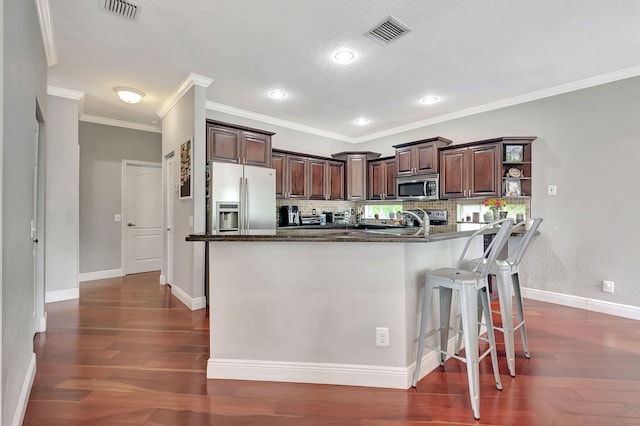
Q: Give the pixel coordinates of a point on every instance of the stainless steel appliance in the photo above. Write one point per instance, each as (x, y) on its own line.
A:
(417, 187)
(436, 217)
(289, 216)
(240, 198)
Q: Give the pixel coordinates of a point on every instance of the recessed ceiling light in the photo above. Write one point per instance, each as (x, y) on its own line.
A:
(430, 100)
(361, 121)
(344, 56)
(129, 95)
(278, 94)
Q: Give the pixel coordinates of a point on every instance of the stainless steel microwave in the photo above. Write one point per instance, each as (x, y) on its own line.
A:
(417, 187)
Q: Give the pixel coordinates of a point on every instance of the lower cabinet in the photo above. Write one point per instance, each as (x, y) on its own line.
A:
(382, 179)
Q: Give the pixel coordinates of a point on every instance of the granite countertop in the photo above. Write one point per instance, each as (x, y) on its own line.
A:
(346, 234)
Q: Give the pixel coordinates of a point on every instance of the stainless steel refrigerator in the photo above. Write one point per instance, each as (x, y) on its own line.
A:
(240, 199)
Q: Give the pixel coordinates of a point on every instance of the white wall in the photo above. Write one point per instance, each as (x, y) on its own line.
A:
(588, 145)
(183, 122)
(62, 200)
(23, 83)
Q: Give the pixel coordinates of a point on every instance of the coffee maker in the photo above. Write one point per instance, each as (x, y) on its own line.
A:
(289, 216)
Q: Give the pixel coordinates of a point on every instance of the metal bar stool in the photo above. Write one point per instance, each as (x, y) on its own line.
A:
(507, 274)
(469, 284)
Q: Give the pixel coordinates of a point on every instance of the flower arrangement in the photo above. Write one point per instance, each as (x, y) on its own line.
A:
(495, 204)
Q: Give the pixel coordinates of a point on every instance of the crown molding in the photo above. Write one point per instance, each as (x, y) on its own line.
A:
(190, 81)
(214, 106)
(65, 93)
(46, 28)
(516, 100)
(119, 123)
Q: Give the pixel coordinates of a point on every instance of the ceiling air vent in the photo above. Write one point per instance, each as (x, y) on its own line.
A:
(388, 30)
(124, 8)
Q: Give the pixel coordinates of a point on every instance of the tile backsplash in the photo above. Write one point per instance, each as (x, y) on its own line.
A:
(306, 206)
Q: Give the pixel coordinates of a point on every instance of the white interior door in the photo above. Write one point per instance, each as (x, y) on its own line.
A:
(171, 193)
(143, 217)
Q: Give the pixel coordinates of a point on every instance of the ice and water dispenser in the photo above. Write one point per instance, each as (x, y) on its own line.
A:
(227, 215)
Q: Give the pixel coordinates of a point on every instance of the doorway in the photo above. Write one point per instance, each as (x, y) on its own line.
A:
(171, 191)
(141, 216)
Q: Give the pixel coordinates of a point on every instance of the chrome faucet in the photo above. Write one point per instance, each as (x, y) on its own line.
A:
(424, 224)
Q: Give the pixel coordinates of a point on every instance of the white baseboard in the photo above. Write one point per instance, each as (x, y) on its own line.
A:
(609, 308)
(21, 409)
(307, 372)
(42, 324)
(189, 302)
(324, 373)
(60, 295)
(99, 275)
(163, 280)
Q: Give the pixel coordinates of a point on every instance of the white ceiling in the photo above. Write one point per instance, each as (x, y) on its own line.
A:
(473, 54)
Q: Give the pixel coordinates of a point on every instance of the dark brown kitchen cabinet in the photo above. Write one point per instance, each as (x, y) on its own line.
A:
(419, 157)
(356, 168)
(291, 175)
(382, 179)
(235, 144)
(470, 171)
(326, 180)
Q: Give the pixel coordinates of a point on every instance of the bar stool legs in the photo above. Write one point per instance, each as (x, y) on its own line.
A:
(508, 279)
(469, 296)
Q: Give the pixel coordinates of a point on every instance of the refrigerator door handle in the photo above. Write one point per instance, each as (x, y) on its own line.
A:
(246, 206)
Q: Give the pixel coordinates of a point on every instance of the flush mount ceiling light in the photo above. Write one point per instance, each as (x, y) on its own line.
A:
(430, 100)
(344, 56)
(361, 121)
(278, 94)
(129, 95)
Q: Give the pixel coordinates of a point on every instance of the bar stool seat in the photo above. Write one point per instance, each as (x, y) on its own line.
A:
(469, 284)
(507, 274)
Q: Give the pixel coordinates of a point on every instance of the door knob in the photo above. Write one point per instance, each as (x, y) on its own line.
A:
(131, 224)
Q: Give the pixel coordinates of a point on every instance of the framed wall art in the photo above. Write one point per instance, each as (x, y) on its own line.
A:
(512, 188)
(185, 171)
(513, 153)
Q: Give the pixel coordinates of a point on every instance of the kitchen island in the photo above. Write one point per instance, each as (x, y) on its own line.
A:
(303, 305)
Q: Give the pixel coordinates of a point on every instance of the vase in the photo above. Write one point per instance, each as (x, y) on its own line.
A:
(496, 214)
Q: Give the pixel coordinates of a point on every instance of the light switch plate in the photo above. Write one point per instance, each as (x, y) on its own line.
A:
(117, 217)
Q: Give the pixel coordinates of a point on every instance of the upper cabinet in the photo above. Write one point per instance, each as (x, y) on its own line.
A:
(356, 165)
(235, 144)
(292, 175)
(326, 179)
(481, 169)
(419, 157)
(382, 179)
(471, 171)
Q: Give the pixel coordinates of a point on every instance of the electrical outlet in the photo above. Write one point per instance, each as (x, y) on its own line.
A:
(607, 286)
(382, 336)
(551, 190)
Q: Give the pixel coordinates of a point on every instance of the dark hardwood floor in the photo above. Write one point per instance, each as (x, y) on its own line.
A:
(129, 353)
